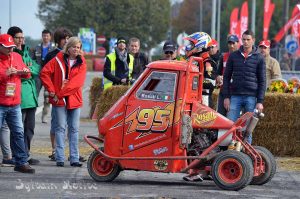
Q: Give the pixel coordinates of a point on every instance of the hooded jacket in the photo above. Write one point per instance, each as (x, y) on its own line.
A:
(56, 72)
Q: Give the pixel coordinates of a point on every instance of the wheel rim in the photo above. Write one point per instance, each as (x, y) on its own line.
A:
(102, 166)
(230, 170)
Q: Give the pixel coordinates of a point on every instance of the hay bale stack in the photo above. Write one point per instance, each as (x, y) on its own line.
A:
(108, 98)
(95, 92)
(279, 130)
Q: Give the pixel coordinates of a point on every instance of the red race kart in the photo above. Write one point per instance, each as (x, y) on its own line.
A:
(161, 125)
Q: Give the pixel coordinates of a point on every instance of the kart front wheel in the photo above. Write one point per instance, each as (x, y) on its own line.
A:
(232, 170)
(102, 169)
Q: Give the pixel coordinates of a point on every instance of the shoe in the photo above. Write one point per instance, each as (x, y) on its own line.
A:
(208, 177)
(60, 164)
(193, 178)
(52, 156)
(44, 120)
(76, 164)
(81, 159)
(24, 169)
(8, 162)
(32, 161)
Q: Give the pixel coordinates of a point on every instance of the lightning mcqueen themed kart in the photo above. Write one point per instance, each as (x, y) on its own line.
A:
(161, 125)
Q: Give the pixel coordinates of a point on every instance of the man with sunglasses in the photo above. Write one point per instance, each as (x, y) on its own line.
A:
(169, 51)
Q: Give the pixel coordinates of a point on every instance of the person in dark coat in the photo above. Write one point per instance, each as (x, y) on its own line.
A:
(140, 59)
(244, 81)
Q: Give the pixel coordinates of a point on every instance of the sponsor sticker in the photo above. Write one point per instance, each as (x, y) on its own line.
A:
(160, 150)
(160, 165)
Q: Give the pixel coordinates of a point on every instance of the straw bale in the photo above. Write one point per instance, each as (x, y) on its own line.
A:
(279, 129)
(95, 92)
(109, 97)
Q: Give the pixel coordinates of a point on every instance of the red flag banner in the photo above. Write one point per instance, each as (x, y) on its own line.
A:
(268, 12)
(286, 27)
(296, 26)
(234, 22)
(295, 31)
(244, 18)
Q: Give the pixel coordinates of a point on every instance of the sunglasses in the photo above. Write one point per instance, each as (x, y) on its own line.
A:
(169, 53)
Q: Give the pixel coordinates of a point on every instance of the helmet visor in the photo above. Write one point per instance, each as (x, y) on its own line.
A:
(190, 46)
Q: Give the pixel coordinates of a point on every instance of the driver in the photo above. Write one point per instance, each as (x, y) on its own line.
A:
(198, 47)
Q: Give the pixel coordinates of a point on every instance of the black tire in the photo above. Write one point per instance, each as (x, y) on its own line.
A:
(101, 169)
(270, 166)
(232, 170)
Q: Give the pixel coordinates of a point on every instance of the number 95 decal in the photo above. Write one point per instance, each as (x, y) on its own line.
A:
(154, 119)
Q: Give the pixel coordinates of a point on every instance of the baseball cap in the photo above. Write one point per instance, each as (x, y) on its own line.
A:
(213, 42)
(265, 43)
(232, 38)
(7, 41)
(121, 40)
(169, 46)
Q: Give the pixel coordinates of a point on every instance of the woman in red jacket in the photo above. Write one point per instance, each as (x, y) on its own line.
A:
(63, 77)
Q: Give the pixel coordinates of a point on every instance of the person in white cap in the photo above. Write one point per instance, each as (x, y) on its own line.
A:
(12, 69)
(273, 70)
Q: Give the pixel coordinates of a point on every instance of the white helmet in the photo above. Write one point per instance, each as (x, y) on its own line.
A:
(199, 42)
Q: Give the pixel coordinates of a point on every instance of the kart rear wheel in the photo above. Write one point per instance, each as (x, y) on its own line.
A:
(232, 170)
(101, 169)
(270, 166)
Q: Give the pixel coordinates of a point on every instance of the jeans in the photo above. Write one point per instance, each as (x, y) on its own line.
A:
(238, 103)
(5, 141)
(66, 117)
(53, 122)
(28, 118)
(46, 104)
(13, 117)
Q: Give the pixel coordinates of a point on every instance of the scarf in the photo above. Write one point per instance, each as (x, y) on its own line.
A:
(122, 57)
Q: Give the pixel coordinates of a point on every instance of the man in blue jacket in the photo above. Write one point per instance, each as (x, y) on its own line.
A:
(244, 81)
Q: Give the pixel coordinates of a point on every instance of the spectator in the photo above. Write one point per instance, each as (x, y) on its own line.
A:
(61, 36)
(169, 49)
(297, 64)
(64, 78)
(39, 55)
(272, 66)
(285, 62)
(118, 66)
(5, 146)
(233, 45)
(29, 98)
(11, 71)
(140, 59)
(213, 51)
(244, 81)
(275, 49)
